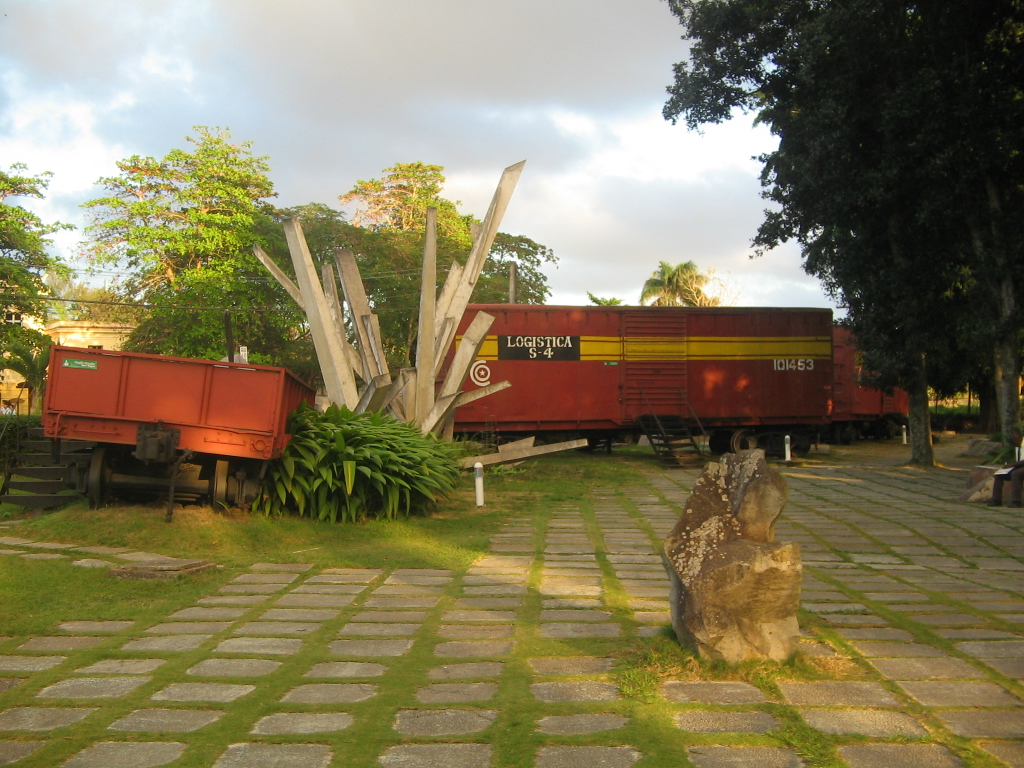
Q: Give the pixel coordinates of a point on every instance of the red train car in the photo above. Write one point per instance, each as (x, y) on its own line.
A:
(748, 375)
(860, 411)
(143, 410)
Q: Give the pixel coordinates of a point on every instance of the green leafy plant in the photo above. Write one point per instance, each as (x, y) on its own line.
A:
(345, 466)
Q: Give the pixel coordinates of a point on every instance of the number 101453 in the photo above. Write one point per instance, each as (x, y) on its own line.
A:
(792, 364)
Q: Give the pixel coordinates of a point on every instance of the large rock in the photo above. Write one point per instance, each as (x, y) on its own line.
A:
(734, 590)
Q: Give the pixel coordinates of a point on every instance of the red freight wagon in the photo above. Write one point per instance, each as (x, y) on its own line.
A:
(747, 374)
(857, 410)
(144, 409)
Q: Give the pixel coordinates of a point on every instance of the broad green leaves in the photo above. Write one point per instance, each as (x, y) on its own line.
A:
(345, 467)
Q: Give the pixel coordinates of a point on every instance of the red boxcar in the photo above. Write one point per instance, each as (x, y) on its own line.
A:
(857, 410)
(739, 371)
(225, 409)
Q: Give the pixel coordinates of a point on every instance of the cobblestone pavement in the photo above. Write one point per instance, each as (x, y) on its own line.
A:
(925, 594)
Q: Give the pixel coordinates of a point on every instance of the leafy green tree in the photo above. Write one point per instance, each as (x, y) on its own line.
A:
(609, 302)
(24, 258)
(30, 362)
(678, 286)
(386, 234)
(183, 227)
(898, 165)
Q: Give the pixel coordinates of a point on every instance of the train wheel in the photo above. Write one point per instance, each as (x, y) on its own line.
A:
(96, 480)
(742, 440)
(219, 492)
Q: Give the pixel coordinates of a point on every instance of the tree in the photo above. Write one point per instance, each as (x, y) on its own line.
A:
(386, 235)
(183, 227)
(609, 302)
(163, 217)
(897, 165)
(24, 258)
(30, 362)
(678, 286)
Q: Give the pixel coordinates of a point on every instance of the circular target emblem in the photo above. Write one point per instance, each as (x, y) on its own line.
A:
(480, 373)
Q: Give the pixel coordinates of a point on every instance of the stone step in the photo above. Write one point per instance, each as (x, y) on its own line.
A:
(46, 459)
(37, 486)
(40, 473)
(40, 500)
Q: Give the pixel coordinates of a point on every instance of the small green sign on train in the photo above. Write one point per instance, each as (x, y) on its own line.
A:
(88, 365)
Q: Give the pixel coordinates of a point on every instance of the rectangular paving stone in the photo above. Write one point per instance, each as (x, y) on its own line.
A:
(94, 627)
(925, 669)
(370, 648)
(575, 691)
(232, 600)
(557, 614)
(379, 630)
(168, 643)
(114, 754)
(380, 617)
(251, 589)
(302, 723)
(277, 628)
(92, 687)
(188, 627)
(697, 721)
(466, 670)
(208, 614)
(217, 692)
(475, 631)
(281, 567)
(327, 589)
(502, 589)
(42, 719)
(233, 668)
(838, 693)
(884, 633)
(996, 649)
(579, 630)
(481, 616)
(122, 667)
(436, 756)
(330, 693)
(13, 751)
(468, 648)
(273, 646)
(487, 603)
(60, 643)
(266, 578)
(902, 755)
(314, 601)
(866, 722)
(356, 573)
(29, 663)
(328, 669)
(387, 590)
(166, 720)
(1010, 667)
(450, 693)
(443, 722)
(898, 650)
(570, 665)
(712, 692)
(401, 602)
(933, 693)
(726, 757)
(298, 614)
(276, 756)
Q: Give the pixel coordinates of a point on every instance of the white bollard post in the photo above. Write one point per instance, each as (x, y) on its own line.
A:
(904, 434)
(789, 448)
(478, 473)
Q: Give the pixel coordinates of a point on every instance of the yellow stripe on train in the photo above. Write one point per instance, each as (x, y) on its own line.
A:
(669, 348)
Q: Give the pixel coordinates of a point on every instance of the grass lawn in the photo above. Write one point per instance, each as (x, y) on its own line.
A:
(36, 595)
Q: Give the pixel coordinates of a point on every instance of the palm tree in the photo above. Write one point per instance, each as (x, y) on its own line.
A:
(678, 286)
(31, 363)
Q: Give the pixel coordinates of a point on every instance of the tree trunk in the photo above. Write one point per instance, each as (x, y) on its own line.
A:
(1006, 371)
(919, 417)
(988, 412)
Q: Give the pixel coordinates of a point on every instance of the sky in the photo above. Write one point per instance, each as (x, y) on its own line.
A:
(334, 91)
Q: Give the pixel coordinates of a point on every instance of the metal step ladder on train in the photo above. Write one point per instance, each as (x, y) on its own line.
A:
(672, 437)
(38, 480)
